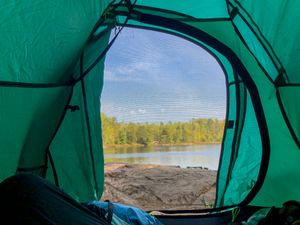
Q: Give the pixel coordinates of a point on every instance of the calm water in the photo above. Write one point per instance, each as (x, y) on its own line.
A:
(183, 156)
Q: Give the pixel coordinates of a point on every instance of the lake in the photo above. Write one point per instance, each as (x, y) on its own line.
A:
(205, 155)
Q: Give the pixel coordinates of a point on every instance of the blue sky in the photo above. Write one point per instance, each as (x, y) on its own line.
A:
(156, 77)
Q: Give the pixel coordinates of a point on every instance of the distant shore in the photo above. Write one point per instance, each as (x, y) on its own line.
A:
(158, 145)
(156, 187)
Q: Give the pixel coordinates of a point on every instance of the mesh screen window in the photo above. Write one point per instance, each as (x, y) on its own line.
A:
(163, 108)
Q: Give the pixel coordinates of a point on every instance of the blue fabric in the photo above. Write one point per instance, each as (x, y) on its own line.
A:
(129, 214)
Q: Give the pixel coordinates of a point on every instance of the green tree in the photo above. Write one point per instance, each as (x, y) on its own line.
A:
(194, 131)
(142, 135)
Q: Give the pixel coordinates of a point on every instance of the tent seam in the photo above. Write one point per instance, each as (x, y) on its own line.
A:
(246, 45)
(260, 33)
(287, 121)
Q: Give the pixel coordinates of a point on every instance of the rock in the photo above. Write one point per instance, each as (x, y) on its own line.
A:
(155, 187)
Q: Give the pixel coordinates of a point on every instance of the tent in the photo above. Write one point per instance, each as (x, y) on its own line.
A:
(52, 61)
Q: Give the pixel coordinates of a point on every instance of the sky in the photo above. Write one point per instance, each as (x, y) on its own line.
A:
(155, 77)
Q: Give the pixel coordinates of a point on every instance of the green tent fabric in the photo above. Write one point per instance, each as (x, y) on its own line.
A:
(52, 61)
(40, 47)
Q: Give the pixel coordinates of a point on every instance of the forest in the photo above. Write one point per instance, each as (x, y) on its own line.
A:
(196, 131)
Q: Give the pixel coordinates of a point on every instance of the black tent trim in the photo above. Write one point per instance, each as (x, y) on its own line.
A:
(87, 118)
(53, 168)
(246, 45)
(48, 150)
(29, 169)
(185, 17)
(260, 34)
(288, 85)
(234, 82)
(34, 85)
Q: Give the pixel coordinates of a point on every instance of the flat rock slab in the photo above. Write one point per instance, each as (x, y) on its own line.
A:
(155, 187)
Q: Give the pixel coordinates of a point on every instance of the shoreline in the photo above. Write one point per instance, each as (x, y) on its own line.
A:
(159, 145)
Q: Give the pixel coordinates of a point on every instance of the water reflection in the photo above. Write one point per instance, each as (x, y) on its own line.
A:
(183, 156)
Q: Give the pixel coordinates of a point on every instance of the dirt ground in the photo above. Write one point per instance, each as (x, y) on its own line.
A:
(155, 187)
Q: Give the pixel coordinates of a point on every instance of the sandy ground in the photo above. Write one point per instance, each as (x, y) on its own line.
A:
(155, 187)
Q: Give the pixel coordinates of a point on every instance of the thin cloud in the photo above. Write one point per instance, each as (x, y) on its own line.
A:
(134, 71)
(142, 111)
(158, 77)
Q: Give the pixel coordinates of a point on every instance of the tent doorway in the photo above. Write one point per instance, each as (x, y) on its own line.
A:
(163, 112)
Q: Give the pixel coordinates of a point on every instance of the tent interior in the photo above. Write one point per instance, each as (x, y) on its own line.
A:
(52, 62)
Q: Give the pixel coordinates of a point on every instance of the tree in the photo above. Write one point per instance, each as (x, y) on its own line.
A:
(143, 136)
(195, 131)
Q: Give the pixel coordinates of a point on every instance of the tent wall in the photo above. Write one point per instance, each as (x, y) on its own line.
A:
(278, 35)
(25, 115)
(41, 42)
(280, 30)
